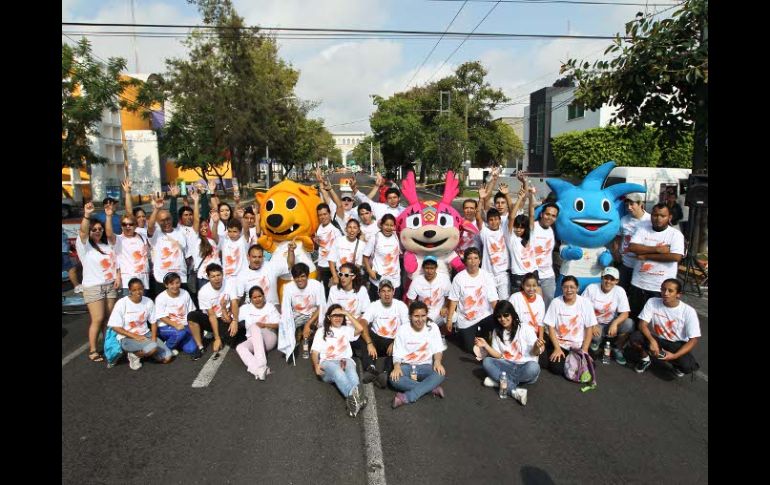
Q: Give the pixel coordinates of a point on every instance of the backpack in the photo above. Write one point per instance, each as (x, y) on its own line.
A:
(579, 367)
(112, 349)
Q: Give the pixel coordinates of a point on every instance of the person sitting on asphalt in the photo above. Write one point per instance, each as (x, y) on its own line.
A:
(385, 316)
(348, 292)
(261, 322)
(263, 273)
(417, 354)
(303, 301)
(529, 304)
(515, 349)
(473, 296)
(332, 356)
(431, 288)
(567, 317)
(611, 308)
(100, 282)
(218, 310)
(668, 331)
(129, 320)
(172, 309)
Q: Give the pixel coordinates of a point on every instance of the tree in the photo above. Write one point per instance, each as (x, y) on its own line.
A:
(397, 126)
(363, 151)
(335, 157)
(87, 89)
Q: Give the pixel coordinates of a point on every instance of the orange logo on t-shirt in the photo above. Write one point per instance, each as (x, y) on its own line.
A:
(418, 355)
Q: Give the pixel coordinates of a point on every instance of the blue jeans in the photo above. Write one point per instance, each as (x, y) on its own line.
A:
(625, 327)
(526, 373)
(427, 380)
(178, 339)
(146, 346)
(345, 380)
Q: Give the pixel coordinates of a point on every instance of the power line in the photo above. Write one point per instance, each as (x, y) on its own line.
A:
(573, 2)
(436, 44)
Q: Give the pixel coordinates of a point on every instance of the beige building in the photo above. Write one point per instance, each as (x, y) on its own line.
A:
(346, 141)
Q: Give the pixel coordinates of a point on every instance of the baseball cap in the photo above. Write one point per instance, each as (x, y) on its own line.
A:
(347, 196)
(430, 258)
(635, 197)
(610, 271)
(385, 283)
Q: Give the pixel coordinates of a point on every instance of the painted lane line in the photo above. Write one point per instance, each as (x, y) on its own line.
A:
(375, 466)
(210, 369)
(74, 354)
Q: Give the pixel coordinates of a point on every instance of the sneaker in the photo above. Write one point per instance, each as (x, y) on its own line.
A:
(438, 392)
(78, 289)
(175, 352)
(358, 402)
(643, 365)
(399, 400)
(196, 355)
(350, 402)
(594, 347)
(520, 395)
(382, 380)
(261, 373)
(619, 357)
(489, 382)
(134, 362)
(208, 335)
(370, 375)
(480, 352)
(677, 372)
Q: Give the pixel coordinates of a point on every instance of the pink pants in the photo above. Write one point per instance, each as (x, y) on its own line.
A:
(252, 351)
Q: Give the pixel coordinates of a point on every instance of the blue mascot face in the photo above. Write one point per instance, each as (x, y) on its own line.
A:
(589, 216)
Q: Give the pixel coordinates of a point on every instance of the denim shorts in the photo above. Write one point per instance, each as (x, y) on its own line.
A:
(92, 294)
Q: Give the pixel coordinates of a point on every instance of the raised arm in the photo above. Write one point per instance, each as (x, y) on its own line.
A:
(196, 196)
(531, 198)
(126, 184)
(109, 211)
(173, 193)
(85, 224)
(157, 205)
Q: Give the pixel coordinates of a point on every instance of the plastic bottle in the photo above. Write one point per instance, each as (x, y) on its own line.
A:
(503, 385)
(606, 356)
(413, 374)
(305, 349)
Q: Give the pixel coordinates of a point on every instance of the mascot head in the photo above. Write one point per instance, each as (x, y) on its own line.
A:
(589, 216)
(431, 227)
(288, 211)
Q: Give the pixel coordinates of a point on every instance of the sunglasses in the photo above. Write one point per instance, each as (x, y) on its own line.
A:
(347, 199)
(349, 275)
(128, 224)
(338, 315)
(97, 229)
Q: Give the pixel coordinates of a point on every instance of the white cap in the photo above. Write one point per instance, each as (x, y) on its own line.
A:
(610, 271)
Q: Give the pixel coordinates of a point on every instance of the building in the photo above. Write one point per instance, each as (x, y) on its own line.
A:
(517, 123)
(551, 112)
(346, 141)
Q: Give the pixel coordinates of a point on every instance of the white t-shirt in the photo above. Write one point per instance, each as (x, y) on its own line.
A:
(266, 277)
(168, 253)
(468, 240)
(533, 318)
(174, 308)
(649, 275)
(495, 258)
(628, 226)
(326, 235)
(218, 300)
(522, 257)
(569, 321)
(542, 242)
(369, 230)
(343, 249)
(335, 346)
(385, 321)
(190, 236)
(677, 324)
(432, 293)
(201, 266)
(234, 255)
(352, 301)
(349, 214)
(253, 237)
(98, 268)
(474, 296)
(416, 348)
(131, 317)
(519, 350)
(385, 252)
(606, 305)
(379, 208)
(132, 255)
(305, 301)
(252, 315)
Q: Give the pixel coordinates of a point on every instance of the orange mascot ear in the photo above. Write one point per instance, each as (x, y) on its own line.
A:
(260, 197)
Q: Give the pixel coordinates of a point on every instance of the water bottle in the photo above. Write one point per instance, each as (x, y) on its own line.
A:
(413, 374)
(305, 349)
(503, 385)
(183, 188)
(606, 356)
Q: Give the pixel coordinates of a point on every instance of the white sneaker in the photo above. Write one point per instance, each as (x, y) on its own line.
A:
(78, 289)
(489, 382)
(261, 373)
(134, 362)
(520, 395)
(175, 352)
(207, 335)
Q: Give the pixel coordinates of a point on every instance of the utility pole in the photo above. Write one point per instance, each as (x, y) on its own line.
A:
(371, 158)
(269, 167)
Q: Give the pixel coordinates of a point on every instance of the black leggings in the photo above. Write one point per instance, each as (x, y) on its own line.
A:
(555, 367)
(201, 318)
(686, 363)
(381, 344)
(481, 329)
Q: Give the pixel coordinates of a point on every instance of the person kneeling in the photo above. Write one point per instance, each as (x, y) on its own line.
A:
(514, 351)
(417, 346)
(331, 355)
(129, 320)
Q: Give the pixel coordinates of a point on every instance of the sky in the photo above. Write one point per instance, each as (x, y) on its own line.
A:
(342, 74)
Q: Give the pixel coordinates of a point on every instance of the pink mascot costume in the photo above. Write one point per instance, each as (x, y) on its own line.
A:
(431, 228)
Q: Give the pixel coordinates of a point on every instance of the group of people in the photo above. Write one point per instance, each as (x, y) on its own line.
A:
(191, 276)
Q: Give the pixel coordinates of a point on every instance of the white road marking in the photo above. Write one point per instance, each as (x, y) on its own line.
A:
(210, 369)
(375, 466)
(74, 354)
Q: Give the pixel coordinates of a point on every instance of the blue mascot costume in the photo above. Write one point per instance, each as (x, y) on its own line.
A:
(588, 220)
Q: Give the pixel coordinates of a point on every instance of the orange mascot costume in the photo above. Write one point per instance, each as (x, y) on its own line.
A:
(288, 213)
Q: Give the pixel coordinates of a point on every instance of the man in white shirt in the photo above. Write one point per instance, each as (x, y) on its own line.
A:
(264, 274)
(324, 238)
(431, 288)
(543, 241)
(218, 311)
(469, 239)
(611, 308)
(629, 223)
(659, 248)
(169, 247)
(668, 331)
(392, 196)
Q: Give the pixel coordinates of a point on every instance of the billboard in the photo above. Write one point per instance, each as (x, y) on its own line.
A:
(143, 161)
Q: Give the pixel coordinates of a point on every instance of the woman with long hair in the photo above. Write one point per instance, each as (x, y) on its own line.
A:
(348, 249)
(348, 292)
(100, 281)
(381, 257)
(332, 355)
(205, 248)
(262, 322)
(515, 349)
(518, 234)
(529, 304)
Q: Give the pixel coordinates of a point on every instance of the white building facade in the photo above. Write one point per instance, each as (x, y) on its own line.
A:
(346, 141)
(568, 115)
(105, 179)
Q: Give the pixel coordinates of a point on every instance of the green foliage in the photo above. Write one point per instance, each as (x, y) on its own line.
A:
(363, 151)
(88, 87)
(577, 153)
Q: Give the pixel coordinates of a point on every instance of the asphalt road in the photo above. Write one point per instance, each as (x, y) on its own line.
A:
(151, 425)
